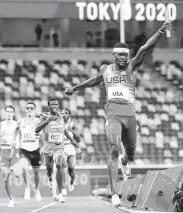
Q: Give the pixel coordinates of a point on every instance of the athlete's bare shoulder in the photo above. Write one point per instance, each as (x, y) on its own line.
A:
(103, 68)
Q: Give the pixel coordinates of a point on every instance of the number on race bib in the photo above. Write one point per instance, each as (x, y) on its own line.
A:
(55, 137)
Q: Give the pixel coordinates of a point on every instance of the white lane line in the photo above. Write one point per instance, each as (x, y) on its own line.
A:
(44, 207)
(5, 204)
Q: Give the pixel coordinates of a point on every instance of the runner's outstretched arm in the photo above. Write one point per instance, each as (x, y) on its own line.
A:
(91, 82)
(138, 59)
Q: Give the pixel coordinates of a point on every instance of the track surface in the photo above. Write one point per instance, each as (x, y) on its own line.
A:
(72, 205)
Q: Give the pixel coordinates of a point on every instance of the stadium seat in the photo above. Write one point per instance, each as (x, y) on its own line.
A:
(158, 106)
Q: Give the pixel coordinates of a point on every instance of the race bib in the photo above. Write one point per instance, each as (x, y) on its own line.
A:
(55, 137)
(118, 92)
(6, 140)
(5, 144)
(28, 137)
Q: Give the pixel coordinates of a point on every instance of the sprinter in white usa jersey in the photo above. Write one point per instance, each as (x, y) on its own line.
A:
(7, 146)
(29, 149)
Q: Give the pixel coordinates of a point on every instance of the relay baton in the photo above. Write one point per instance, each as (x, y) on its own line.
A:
(167, 20)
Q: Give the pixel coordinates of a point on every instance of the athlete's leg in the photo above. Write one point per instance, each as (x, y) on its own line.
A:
(36, 176)
(6, 173)
(49, 168)
(64, 190)
(71, 170)
(60, 161)
(35, 160)
(25, 164)
(6, 170)
(60, 177)
(35, 170)
(24, 161)
(7, 184)
(60, 173)
(129, 143)
(70, 152)
(49, 163)
(129, 140)
(64, 178)
(113, 130)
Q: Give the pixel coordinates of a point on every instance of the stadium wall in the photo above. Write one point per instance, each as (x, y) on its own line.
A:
(80, 54)
(88, 178)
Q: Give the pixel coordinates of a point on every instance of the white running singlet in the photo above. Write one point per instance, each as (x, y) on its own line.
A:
(7, 132)
(29, 138)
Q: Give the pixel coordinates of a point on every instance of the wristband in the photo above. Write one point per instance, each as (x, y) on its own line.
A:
(161, 31)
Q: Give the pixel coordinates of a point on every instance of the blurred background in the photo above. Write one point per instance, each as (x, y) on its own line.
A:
(48, 45)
